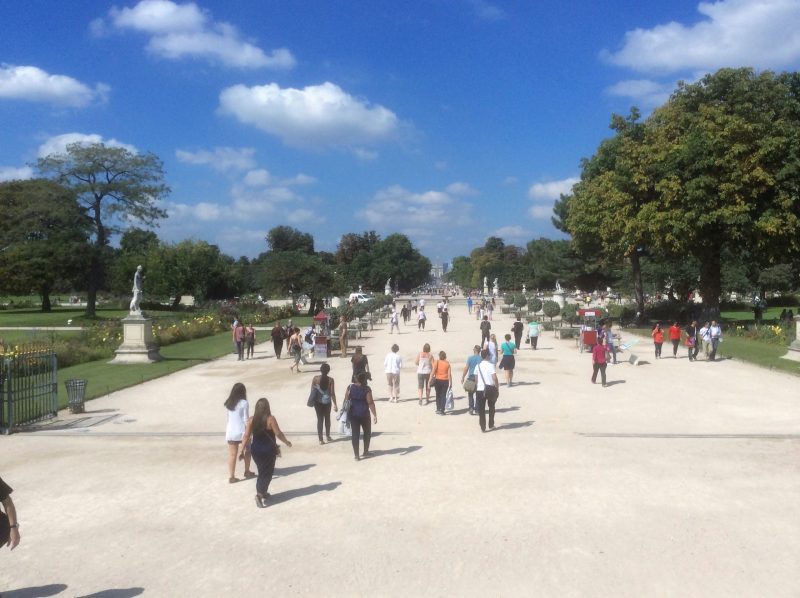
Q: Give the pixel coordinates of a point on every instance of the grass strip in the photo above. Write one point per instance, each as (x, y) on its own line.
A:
(103, 377)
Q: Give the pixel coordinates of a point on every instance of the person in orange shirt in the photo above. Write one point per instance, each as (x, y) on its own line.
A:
(441, 380)
(658, 339)
(675, 337)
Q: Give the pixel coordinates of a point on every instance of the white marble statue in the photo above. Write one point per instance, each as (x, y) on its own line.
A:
(137, 292)
(558, 287)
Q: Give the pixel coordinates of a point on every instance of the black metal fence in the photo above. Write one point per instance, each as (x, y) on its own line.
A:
(28, 386)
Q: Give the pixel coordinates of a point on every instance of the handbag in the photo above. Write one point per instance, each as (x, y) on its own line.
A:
(470, 385)
(448, 403)
(347, 404)
(490, 391)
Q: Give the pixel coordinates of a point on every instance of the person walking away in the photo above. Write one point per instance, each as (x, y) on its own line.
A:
(675, 338)
(392, 364)
(263, 429)
(445, 319)
(424, 362)
(238, 338)
(518, 329)
(533, 333)
(360, 364)
(237, 411)
(508, 362)
(442, 379)
(404, 314)
(288, 332)
(277, 334)
(361, 404)
(490, 309)
(250, 339)
(491, 346)
(9, 524)
(421, 317)
(692, 343)
(343, 336)
(394, 322)
(487, 391)
(705, 338)
(485, 328)
(715, 332)
(469, 305)
(658, 339)
(599, 361)
(469, 375)
(295, 349)
(325, 390)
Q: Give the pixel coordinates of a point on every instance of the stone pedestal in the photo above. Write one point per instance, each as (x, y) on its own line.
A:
(558, 297)
(794, 348)
(137, 344)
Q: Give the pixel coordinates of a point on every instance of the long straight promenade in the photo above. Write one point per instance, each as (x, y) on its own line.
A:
(679, 479)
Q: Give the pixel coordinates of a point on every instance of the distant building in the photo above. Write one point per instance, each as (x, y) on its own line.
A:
(437, 272)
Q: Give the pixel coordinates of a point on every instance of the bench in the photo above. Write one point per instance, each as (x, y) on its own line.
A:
(565, 332)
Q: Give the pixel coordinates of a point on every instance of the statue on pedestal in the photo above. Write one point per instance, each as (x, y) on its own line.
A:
(485, 285)
(137, 292)
(495, 288)
(387, 290)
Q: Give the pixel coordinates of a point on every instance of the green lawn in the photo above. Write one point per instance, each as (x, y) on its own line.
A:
(60, 315)
(771, 313)
(24, 337)
(104, 377)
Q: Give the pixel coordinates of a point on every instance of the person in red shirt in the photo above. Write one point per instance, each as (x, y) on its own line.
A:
(675, 337)
(599, 361)
(658, 339)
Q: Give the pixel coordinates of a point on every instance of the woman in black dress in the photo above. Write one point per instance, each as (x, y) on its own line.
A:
(263, 429)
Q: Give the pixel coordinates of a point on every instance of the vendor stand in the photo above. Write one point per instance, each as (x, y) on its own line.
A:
(322, 334)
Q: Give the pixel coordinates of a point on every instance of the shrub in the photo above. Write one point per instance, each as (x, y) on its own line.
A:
(520, 301)
(773, 334)
(551, 309)
(534, 304)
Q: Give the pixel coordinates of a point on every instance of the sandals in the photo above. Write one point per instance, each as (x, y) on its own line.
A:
(249, 474)
(233, 480)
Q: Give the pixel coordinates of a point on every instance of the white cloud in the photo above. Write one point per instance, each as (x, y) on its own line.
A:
(221, 159)
(414, 214)
(551, 190)
(541, 211)
(486, 11)
(764, 34)
(298, 179)
(58, 144)
(258, 178)
(646, 93)
(458, 188)
(185, 30)
(32, 84)
(312, 116)
(511, 232)
(15, 173)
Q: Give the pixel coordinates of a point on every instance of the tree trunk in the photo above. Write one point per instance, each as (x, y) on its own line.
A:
(638, 289)
(45, 292)
(93, 283)
(711, 282)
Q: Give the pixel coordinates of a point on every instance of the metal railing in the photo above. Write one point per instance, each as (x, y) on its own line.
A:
(28, 386)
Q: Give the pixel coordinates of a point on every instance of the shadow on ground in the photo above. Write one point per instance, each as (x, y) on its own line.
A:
(116, 593)
(514, 425)
(287, 495)
(287, 471)
(36, 592)
(395, 451)
(613, 382)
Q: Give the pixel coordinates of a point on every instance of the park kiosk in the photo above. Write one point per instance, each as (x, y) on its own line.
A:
(588, 335)
(322, 335)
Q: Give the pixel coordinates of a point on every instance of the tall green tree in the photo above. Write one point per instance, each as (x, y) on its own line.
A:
(287, 238)
(43, 238)
(114, 185)
(728, 155)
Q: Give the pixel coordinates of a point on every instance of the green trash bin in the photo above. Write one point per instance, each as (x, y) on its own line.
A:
(76, 395)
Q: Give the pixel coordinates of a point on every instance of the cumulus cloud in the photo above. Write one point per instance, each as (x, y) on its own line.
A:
(763, 34)
(258, 178)
(303, 216)
(30, 83)
(645, 92)
(221, 159)
(58, 144)
(541, 212)
(15, 173)
(551, 190)
(414, 214)
(315, 115)
(185, 30)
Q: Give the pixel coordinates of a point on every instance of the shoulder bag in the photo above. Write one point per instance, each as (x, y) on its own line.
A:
(490, 391)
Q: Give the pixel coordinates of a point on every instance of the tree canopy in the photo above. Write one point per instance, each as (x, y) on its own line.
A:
(114, 185)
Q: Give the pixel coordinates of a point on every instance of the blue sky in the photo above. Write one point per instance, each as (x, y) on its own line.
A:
(446, 120)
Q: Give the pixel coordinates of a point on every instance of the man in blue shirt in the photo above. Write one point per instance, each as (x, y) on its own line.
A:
(469, 374)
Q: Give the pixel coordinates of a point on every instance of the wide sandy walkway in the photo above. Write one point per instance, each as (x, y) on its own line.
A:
(679, 479)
